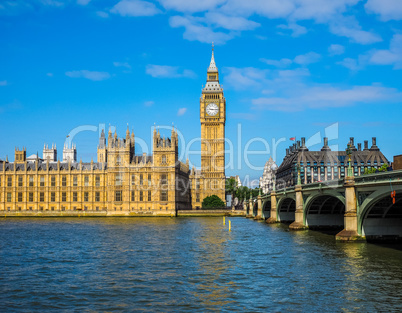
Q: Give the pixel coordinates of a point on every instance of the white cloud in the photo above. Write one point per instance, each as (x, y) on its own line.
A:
(181, 111)
(387, 9)
(336, 49)
(3, 83)
(122, 64)
(350, 28)
(49, 74)
(393, 56)
(191, 6)
(250, 77)
(303, 59)
(166, 71)
(308, 58)
(230, 22)
(323, 96)
(149, 103)
(351, 64)
(91, 75)
(277, 63)
(102, 14)
(194, 30)
(83, 2)
(135, 8)
(297, 30)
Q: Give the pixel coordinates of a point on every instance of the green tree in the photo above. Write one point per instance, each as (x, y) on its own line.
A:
(231, 187)
(213, 202)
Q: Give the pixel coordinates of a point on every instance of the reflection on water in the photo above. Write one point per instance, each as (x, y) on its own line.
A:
(189, 264)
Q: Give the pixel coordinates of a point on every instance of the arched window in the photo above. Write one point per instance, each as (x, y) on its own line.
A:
(163, 159)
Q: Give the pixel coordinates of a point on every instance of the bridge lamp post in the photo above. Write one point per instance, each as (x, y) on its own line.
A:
(298, 168)
(349, 153)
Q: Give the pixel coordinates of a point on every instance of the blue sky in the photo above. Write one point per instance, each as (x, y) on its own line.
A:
(288, 68)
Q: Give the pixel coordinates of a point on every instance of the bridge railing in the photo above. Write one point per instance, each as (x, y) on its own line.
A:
(378, 177)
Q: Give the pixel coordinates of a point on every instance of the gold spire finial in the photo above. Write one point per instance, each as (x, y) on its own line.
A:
(212, 46)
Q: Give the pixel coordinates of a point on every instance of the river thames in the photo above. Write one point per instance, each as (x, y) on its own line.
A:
(187, 265)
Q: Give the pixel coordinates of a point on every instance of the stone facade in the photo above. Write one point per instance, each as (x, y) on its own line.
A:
(268, 177)
(125, 184)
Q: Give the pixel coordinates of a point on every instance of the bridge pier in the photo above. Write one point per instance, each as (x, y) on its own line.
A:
(298, 224)
(349, 233)
(259, 208)
(250, 208)
(273, 214)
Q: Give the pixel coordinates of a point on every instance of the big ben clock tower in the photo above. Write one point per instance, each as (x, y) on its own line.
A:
(213, 118)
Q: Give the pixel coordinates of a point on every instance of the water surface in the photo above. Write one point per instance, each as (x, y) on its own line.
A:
(187, 265)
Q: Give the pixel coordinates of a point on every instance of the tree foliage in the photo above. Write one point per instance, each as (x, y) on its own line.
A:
(213, 202)
(373, 170)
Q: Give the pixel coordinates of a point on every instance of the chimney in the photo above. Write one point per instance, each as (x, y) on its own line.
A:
(325, 147)
(374, 144)
(366, 145)
(303, 144)
(298, 145)
(359, 147)
(352, 144)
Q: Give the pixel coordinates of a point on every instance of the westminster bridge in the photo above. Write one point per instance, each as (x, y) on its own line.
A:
(365, 207)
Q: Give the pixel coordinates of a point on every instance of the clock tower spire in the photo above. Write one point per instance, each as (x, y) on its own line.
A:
(213, 118)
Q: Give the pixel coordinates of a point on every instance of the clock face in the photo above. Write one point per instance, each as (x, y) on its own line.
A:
(212, 109)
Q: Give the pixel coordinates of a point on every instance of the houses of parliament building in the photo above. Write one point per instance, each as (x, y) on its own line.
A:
(121, 182)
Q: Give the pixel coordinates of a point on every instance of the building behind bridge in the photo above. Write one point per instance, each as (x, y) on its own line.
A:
(325, 165)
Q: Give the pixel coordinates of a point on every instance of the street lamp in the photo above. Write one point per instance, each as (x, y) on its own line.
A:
(349, 153)
(298, 167)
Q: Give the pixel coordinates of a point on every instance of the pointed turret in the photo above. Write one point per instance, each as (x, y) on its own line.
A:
(127, 133)
(212, 66)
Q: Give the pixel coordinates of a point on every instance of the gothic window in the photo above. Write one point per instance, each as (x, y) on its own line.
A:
(30, 197)
(63, 197)
(118, 160)
(42, 197)
(20, 197)
(118, 179)
(164, 195)
(53, 181)
(20, 181)
(97, 180)
(8, 196)
(132, 180)
(64, 180)
(149, 195)
(42, 181)
(141, 180)
(97, 196)
(52, 196)
(9, 181)
(141, 196)
(75, 197)
(163, 159)
(75, 181)
(149, 180)
(86, 180)
(86, 198)
(132, 196)
(163, 180)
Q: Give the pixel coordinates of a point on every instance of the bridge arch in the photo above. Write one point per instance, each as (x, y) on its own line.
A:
(379, 218)
(286, 209)
(266, 209)
(324, 210)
